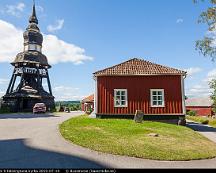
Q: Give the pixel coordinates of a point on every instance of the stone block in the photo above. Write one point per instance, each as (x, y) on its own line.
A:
(182, 121)
(138, 118)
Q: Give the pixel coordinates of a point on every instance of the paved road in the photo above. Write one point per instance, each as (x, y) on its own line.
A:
(28, 141)
(205, 130)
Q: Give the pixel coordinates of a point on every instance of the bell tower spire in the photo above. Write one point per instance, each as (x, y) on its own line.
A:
(33, 39)
(33, 17)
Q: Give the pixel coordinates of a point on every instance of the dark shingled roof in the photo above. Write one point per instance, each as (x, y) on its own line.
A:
(31, 57)
(137, 66)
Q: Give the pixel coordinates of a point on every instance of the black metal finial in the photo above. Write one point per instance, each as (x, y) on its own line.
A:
(33, 18)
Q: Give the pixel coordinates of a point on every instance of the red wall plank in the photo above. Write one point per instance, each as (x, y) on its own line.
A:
(139, 94)
(201, 111)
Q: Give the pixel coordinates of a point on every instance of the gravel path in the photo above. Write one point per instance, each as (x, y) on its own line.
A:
(207, 131)
(34, 141)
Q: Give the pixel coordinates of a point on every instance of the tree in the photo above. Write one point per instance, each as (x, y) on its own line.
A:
(212, 85)
(207, 46)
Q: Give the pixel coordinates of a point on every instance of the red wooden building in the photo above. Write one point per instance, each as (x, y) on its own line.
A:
(140, 85)
(202, 106)
(87, 104)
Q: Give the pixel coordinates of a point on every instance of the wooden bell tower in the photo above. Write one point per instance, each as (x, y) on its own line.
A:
(30, 74)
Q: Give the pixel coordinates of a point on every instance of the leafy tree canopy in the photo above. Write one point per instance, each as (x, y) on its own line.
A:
(207, 46)
(212, 85)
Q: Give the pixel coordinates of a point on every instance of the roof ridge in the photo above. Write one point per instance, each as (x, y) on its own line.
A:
(166, 66)
(114, 66)
(143, 67)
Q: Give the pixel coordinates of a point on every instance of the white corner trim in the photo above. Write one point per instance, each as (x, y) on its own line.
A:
(183, 95)
(93, 114)
(95, 98)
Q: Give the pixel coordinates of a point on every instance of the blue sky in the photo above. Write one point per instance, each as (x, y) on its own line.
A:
(100, 33)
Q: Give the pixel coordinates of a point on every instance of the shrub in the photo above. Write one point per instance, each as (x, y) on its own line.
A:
(199, 119)
(204, 121)
(61, 109)
(53, 110)
(4, 110)
(191, 113)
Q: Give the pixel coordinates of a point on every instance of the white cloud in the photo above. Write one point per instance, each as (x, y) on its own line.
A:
(56, 50)
(68, 98)
(14, 10)
(3, 84)
(57, 26)
(211, 75)
(1, 93)
(20, 6)
(180, 20)
(59, 51)
(3, 81)
(39, 8)
(192, 71)
(201, 90)
(11, 41)
(66, 93)
(64, 89)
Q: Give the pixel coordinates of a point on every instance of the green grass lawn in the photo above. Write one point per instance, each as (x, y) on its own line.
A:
(203, 120)
(125, 137)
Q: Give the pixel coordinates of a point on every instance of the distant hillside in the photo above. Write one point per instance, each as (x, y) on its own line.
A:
(72, 105)
(67, 102)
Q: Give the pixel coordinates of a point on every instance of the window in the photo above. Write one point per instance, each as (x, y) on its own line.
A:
(157, 98)
(32, 47)
(38, 48)
(120, 98)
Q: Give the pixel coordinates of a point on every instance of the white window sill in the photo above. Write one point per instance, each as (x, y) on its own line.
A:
(158, 106)
(120, 106)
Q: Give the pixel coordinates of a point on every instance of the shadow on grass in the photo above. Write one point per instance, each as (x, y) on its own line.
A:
(200, 127)
(16, 154)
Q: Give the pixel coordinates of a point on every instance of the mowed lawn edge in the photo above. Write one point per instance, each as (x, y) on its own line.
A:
(203, 120)
(127, 138)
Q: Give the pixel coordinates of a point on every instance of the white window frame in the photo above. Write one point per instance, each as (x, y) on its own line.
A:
(126, 98)
(163, 99)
